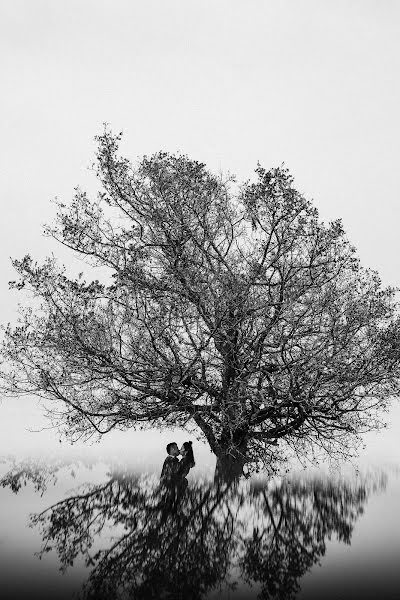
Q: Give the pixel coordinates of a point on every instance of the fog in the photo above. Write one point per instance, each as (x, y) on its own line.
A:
(312, 84)
(24, 432)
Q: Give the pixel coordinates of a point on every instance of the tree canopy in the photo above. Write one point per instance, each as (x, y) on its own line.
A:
(231, 308)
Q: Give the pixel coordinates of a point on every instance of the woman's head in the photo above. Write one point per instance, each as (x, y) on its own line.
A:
(187, 451)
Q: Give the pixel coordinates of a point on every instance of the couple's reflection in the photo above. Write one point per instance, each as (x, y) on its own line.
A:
(143, 538)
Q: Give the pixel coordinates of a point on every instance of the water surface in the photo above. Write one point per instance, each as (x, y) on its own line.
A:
(96, 530)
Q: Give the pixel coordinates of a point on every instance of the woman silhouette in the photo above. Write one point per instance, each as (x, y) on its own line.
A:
(187, 461)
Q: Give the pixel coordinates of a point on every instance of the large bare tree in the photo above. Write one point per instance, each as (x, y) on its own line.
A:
(230, 308)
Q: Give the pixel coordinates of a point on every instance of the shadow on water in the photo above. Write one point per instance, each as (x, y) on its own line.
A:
(143, 539)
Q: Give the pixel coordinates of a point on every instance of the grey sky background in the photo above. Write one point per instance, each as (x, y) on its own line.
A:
(312, 83)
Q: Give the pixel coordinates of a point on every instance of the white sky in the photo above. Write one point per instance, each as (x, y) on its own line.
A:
(312, 83)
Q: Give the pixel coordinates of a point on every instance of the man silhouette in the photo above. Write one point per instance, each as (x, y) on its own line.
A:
(171, 463)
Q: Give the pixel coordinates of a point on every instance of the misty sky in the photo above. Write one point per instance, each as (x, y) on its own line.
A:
(312, 83)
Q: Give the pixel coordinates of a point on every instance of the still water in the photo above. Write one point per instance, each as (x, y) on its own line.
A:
(95, 530)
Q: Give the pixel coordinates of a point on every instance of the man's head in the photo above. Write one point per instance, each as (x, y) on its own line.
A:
(172, 449)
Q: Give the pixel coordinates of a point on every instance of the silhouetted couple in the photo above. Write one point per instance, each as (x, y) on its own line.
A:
(175, 470)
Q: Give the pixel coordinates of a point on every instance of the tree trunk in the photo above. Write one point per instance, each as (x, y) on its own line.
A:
(231, 457)
(228, 469)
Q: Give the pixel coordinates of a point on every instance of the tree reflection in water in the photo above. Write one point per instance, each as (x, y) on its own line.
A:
(185, 541)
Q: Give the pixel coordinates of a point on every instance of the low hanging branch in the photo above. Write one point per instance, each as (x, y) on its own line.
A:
(235, 310)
